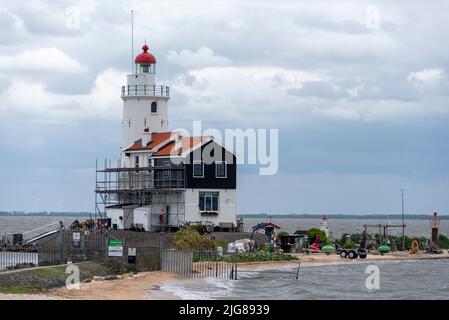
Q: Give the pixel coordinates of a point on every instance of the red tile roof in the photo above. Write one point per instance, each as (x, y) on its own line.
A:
(186, 144)
(168, 149)
(156, 139)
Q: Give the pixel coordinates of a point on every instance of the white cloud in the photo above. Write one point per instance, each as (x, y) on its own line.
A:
(32, 101)
(260, 95)
(41, 60)
(427, 76)
(354, 92)
(203, 57)
(242, 94)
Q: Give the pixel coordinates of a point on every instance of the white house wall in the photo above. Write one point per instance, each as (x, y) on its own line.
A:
(226, 206)
(115, 214)
(126, 214)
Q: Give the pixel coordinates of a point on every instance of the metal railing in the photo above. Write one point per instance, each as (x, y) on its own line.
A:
(14, 259)
(146, 90)
(199, 264)
(41, 232)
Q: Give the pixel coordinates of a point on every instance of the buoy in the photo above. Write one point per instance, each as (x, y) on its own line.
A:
(415, 247)
(384, 248)
(328, 248)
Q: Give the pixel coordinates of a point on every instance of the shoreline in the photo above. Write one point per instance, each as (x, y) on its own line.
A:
(314, 259)
(147, 285)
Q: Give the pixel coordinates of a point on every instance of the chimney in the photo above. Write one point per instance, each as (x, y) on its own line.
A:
(178, 143)
(146, 138)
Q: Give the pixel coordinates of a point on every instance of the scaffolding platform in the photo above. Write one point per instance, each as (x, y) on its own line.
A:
(149, 187)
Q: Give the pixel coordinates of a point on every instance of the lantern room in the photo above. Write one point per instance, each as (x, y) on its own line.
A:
(145, 61)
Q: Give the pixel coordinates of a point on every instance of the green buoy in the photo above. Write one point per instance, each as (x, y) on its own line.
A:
(328, 248)
(384, 248)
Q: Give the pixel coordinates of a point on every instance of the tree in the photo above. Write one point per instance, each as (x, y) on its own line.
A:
(312, 233)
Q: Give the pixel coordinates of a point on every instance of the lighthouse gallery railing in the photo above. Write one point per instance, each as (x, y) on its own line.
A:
(146, 90)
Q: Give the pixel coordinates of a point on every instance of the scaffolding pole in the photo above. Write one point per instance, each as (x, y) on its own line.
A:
(156, 187)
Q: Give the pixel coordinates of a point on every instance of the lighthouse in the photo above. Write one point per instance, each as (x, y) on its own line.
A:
(162, 180)
(144, 102)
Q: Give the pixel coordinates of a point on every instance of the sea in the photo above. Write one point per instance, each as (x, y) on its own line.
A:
(338, 227)
(415, 280)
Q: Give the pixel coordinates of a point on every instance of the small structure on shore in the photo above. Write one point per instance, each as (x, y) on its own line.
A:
(385, 245)
(435, 225)
(266, 228)
(324, 225)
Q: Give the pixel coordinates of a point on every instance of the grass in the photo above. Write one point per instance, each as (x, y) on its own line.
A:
(44, 278)
(21, 289)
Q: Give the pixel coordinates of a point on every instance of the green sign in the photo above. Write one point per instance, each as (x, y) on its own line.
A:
(115, 248)
(115, 243)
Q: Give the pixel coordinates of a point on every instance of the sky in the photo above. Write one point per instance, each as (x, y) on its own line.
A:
(359, 91)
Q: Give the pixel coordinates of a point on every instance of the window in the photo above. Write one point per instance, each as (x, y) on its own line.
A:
(153, 107)
(198, 169)
(144, 68)
(166, 171)
(220, 169)
(208, 201)
(145, 122)
(137, 161)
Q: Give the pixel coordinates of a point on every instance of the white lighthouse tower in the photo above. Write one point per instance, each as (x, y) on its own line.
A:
(144, 102)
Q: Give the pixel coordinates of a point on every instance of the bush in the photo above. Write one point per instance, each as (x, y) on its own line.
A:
(356, 237)
(312, 233)
(282, 234)
(443, 242)
(189, 238)
(221, 243)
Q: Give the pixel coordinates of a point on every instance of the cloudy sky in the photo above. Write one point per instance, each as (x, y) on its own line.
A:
(358, 90)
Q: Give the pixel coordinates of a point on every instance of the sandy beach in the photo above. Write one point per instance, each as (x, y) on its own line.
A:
(146, 285)
(126, 287)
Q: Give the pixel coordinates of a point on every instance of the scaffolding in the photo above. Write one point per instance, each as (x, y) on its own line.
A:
(153, 187)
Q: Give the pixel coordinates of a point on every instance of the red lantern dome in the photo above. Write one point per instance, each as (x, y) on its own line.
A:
(145, 57)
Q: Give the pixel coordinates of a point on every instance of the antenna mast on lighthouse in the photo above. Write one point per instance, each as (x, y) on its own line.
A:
(132, 41)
